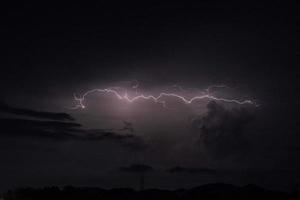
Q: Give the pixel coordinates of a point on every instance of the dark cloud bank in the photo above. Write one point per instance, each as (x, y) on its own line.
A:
(57, 129)
(35, 114)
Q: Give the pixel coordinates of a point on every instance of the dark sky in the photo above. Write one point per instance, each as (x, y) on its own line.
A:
(49, 52)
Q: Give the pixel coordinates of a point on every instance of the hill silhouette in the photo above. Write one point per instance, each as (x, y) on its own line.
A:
(209, 191)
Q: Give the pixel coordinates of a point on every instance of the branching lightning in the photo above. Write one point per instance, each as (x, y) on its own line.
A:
(159, 98)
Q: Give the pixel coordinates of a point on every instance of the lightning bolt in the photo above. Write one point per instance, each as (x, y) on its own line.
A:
(158, 98)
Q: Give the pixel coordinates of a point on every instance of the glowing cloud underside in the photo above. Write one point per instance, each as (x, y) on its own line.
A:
(157, 99)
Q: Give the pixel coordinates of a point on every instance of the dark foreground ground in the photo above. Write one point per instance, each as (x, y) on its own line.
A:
(210, 191)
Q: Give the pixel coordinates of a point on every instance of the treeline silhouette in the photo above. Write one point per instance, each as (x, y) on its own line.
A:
(209, 191)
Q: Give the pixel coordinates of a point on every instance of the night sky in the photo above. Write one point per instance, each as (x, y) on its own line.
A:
(49, 53)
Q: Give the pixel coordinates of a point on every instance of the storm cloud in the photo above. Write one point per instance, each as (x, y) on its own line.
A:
(221, 130)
